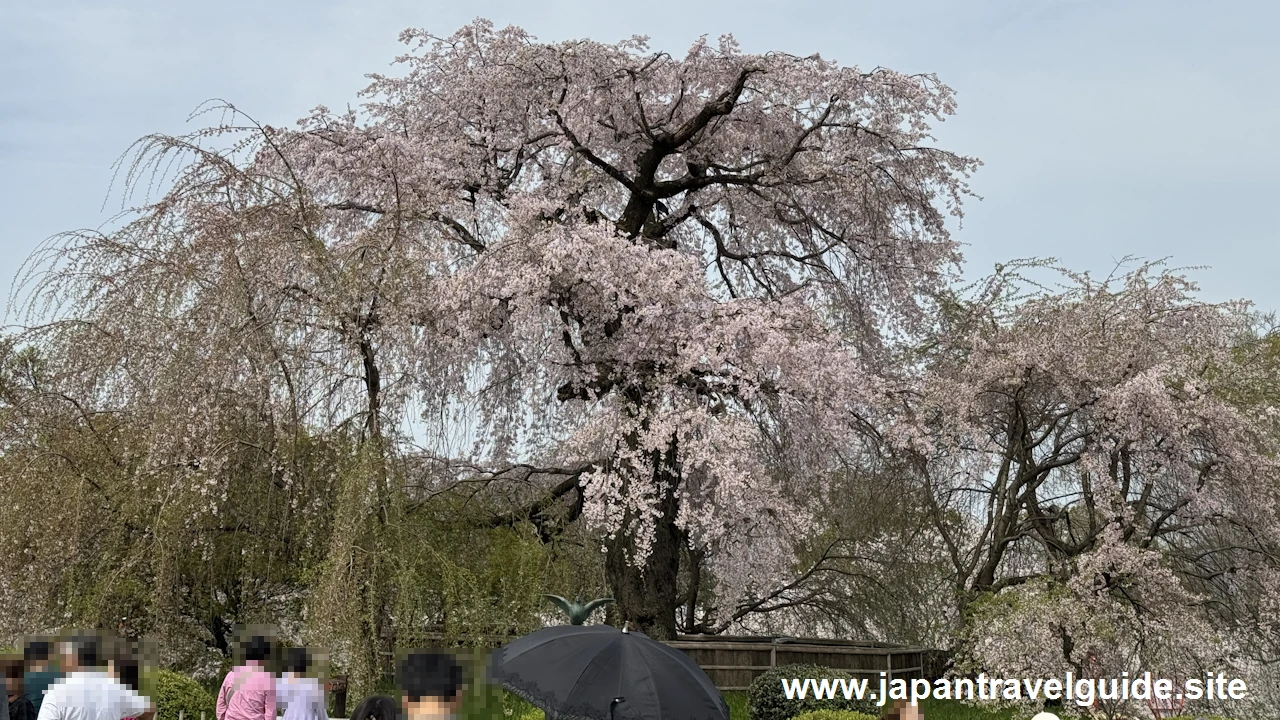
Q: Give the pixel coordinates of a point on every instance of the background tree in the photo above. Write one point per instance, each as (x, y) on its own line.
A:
(96, 537)
(89, 539)
(1100, 496)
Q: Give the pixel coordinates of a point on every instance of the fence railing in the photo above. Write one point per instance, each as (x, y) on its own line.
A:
(733, 662)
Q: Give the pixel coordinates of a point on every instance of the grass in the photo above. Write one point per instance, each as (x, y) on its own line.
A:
(737, 705)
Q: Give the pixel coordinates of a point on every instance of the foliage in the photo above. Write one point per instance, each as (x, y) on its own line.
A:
(515, 707)
(854, 579)
(737, 702)
(766, 701)
(492, 703)
(178, 694)
(134, 551)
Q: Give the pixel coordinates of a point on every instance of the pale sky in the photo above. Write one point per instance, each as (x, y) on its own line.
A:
(1107, 127)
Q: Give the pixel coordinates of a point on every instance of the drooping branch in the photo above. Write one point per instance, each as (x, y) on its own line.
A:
(539, 512)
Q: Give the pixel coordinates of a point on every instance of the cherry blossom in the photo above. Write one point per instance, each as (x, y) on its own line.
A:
(667, 281)
(1104, 501)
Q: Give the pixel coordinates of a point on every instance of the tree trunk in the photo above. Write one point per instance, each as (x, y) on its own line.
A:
(694, 560)
(647, 594)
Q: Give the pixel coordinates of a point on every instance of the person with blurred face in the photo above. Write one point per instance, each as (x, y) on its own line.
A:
(249, 691)
(17, 706)
(903, 710)
(430, 686)
(39, 676)
(301, 696)
(124, 667)
(89, 692)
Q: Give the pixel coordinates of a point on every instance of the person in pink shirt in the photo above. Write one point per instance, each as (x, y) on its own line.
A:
(249, 691)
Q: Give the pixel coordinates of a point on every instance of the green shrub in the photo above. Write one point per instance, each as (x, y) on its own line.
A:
(766, 701)
(176, 693)
(833, 715)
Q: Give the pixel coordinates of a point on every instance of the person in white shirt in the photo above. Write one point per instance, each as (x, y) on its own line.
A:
(88, 692)
(302, 697)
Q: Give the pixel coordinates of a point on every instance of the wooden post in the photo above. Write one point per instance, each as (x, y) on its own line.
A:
(340, 696)
(773, 649)
(888, 659)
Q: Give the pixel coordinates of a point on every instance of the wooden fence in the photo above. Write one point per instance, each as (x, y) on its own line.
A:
(732, 662)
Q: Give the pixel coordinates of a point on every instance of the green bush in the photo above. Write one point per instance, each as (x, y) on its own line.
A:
(833, 715)
(766, 701)
(176, 693)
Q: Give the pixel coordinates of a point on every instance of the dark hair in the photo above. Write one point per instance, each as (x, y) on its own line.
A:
(257, 649)
(127, 667)
(129, 672)
(36, 651)
(88, 651)
(12, 668)
(430, 675)
(377, 707)
(296, 660)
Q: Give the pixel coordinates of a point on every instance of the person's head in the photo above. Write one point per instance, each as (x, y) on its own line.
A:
(12, 676)
(82, 652)
(125, 667)
(430, 684)
(296, 661)
(377, 707)
(257, 650)
(36, 654)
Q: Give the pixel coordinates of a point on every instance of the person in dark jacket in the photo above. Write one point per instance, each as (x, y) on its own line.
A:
(18, 705)
(39, 677)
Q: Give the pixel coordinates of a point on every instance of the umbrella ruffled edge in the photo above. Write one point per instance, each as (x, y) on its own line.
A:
(538, 700)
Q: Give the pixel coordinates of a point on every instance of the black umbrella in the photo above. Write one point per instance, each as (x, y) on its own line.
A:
(597, 672)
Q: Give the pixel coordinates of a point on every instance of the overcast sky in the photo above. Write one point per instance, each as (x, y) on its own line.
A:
(1107, 127)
